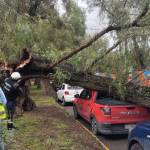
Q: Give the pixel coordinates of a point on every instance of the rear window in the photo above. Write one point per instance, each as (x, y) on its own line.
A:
(73, 87)
(105, 98)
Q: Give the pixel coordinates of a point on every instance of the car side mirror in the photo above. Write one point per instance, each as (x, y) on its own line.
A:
(77, 96)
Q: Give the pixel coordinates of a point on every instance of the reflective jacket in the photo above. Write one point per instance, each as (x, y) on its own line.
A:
(11, 89)
(3, 114)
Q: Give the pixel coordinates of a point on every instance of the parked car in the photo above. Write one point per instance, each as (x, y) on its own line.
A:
(66, 93)
(106, 114)
(139, 138)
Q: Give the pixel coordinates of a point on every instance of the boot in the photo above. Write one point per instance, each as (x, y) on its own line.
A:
(9, 125)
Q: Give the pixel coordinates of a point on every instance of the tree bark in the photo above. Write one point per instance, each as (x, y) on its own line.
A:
(34, 4)
(138, 55)
(134, 23)
(28, 104)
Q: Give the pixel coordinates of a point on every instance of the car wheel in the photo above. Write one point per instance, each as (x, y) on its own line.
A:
(136, 146)
(75, 112)
(94, 126)
(63, 102)
(57, 100)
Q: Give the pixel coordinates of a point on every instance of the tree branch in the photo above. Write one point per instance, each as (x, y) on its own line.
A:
(125, 3)
(33, 7)
(103, 32)
(107, 52)
(138, 55)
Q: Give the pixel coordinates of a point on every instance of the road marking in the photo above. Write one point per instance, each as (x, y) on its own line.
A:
(98, 140)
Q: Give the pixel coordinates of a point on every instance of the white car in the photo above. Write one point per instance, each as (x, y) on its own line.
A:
(66, 93)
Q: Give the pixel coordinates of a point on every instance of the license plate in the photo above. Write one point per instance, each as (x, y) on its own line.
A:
(130, 126)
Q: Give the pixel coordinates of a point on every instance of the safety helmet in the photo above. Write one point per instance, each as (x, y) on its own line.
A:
(15, 76)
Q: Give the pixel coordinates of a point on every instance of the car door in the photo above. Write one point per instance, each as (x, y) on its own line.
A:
(87, 104)
(79, 102)
(83, 103)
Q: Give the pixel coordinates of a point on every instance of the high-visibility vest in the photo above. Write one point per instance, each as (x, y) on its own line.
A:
(3, 114)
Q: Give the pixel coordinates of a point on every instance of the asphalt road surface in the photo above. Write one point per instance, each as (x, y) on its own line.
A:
(114, 142)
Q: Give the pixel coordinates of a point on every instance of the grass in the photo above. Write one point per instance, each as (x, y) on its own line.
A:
(40, 99)
(59, 124)
(30, 137)
(48, 127)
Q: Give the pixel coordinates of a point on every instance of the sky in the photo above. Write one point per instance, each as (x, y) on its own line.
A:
(93, 22)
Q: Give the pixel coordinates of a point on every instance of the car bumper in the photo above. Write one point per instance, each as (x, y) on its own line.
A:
(106, 128)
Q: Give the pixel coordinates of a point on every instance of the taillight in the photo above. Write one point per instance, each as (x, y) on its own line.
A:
(66, 93)
(106, 111)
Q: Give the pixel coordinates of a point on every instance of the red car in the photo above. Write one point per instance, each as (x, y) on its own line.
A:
(106, 114)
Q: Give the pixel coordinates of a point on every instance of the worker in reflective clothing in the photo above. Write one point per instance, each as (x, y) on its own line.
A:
(12, 91)
(3, 102)
(3, 115)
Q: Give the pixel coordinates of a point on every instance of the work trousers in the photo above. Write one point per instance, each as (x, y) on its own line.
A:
(10, 109)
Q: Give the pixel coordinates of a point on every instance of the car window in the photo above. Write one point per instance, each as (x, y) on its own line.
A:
(74, 87)
(85, 94)
(63, 87)
(102, 94)
(59, 87)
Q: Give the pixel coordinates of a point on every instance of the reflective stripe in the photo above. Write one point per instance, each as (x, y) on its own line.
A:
(8, 84)
(148, 136)
(3, 114)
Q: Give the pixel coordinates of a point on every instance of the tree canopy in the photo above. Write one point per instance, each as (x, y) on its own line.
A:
(61, 40)
(39, 28)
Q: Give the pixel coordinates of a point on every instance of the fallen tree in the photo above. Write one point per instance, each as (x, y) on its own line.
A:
(37, 67)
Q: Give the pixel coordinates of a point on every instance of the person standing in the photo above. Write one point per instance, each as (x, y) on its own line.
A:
(3, 100)
(3, 116)
(11, 90)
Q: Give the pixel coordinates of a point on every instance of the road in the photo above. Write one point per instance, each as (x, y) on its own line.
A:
(112, 142)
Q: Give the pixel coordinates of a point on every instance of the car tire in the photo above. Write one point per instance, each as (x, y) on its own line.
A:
(63, 102)
(94, 127)
(136, 146)
(75, 112)
(57, 100)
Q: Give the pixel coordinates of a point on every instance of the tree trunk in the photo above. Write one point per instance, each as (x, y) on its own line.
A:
(45, 87)
(37, 83)
(28, 104)
(138, 54)
(52, 92)
(48, 89)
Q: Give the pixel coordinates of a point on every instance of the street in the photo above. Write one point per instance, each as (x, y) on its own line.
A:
(112, 142)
